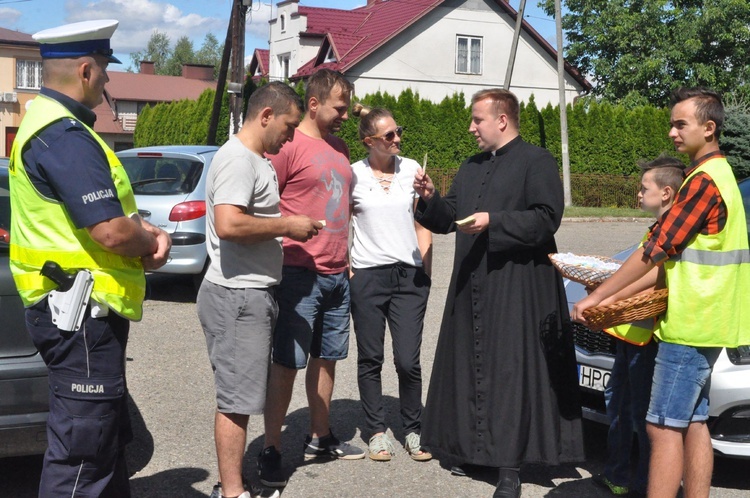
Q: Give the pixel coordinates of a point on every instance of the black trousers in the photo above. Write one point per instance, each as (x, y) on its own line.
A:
(88, 424)
(396, 293)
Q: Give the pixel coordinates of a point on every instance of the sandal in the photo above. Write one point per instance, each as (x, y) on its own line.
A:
(380, 448)
(414, 449)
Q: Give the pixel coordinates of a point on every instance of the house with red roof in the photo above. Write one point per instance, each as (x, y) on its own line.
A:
(435, 47)
(20, 80)
(258, 67)
(125, 95)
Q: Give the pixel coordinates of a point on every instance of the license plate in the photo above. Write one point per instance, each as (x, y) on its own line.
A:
(593, 378)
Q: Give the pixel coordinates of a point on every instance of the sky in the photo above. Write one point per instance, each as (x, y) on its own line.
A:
(193, 18)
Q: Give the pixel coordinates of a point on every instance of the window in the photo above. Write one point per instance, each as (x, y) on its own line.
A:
(28, 74)
(330, 56)
(468, 55)
(282, 22)
(284, 66)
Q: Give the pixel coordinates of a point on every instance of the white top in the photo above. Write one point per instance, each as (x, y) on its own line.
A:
(383, 221)
(240, 177)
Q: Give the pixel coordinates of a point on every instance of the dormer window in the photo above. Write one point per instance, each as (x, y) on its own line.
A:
(330, 56)
(282, 22)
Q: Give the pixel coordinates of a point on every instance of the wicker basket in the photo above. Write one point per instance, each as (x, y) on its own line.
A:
(640, 307)
(590, 277)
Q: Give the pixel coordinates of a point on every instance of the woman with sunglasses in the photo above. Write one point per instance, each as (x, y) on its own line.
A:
(390, 265)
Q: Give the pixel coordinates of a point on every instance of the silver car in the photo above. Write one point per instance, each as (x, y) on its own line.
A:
(24, 391)
(169, 183)
(729, 415)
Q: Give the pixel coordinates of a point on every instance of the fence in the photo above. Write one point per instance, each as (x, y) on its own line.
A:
(586, 190)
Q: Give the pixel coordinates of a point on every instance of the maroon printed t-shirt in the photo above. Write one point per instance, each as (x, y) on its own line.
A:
(314, 177)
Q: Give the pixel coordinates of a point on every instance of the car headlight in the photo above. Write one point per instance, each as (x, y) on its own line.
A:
(739, 355)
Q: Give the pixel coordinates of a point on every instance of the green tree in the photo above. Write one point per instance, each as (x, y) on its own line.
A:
(530, 121)
(157, 51)
(210, 53)
(735, 138)
(182, 54)
(646, 48)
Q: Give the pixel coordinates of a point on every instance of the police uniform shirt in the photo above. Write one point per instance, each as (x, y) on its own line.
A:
(66, 163)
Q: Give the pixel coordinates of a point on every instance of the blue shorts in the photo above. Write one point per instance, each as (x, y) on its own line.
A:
(682, 380)
(313, 317)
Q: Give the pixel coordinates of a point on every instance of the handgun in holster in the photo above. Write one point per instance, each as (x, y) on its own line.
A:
(68, 302)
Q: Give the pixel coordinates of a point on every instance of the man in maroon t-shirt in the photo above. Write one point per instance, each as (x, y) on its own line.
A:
(313, 326)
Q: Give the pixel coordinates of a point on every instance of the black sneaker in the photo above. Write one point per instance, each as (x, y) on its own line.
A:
(329, 446)
(270, 470)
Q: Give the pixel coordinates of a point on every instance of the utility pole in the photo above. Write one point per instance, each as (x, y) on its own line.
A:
(213, 123)
(563, 106)
(239, 12)
(514, 45)
(234, 44)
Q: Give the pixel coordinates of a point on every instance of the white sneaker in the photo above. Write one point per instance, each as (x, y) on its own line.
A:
(253, 493)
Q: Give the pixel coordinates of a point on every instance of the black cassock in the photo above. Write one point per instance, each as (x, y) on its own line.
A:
(504, 387)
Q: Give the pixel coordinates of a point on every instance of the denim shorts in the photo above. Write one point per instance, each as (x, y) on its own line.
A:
(313, 317)
(682, 379)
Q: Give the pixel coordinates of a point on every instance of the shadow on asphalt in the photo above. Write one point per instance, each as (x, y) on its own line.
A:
(346, 418)
(141, 449)
(178, 482)
(170, 288)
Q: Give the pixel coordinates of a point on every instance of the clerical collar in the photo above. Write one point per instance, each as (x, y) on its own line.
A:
(505, 148)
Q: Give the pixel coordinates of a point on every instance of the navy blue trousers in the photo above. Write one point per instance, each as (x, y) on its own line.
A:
(88, 424)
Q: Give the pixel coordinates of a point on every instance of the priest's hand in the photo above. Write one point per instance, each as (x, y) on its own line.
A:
(480, 223)
(423, 185)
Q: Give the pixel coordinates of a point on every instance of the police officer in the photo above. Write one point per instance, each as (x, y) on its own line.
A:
(72, 204)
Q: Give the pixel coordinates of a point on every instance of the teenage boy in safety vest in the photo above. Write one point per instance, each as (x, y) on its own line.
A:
(702, 244)
(629, 387)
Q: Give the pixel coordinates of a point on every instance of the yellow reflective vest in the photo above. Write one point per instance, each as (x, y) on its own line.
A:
(639, 332)
(42, 230)
(709, 282)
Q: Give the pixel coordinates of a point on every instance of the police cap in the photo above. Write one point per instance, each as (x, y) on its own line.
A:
(78, 39)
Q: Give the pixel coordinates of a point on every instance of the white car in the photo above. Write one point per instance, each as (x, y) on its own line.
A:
(729, 414)
(169, 183)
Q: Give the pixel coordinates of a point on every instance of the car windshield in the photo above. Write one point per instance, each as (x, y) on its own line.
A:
(162, 175)
(4, 211)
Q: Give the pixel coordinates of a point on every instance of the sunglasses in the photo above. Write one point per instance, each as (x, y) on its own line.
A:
(391, 134)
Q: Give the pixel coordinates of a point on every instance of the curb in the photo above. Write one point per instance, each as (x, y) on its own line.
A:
(608, 219)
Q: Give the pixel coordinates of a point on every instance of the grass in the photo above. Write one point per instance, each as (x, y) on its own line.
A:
(604, 212)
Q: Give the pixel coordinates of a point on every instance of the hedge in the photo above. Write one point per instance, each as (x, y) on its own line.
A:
(604, 138)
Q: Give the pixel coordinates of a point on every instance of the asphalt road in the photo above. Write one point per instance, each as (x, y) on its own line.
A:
(172, 396)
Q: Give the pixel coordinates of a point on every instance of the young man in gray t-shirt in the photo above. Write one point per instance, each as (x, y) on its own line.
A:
(236, 304)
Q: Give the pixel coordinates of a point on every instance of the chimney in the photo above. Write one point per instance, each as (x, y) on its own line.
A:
(370, 3)
(148, 67)
(198, 72)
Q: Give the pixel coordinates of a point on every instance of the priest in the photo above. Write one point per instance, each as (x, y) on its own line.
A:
(504, 387)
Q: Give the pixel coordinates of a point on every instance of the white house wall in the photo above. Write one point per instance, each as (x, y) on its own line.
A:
(423, 58)
(300, 49)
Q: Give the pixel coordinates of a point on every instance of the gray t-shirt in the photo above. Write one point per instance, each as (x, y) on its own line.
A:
(240, 177)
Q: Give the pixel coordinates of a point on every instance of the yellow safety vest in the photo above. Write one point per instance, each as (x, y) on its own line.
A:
(42, 229)
(639, 332)
(709, 282)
